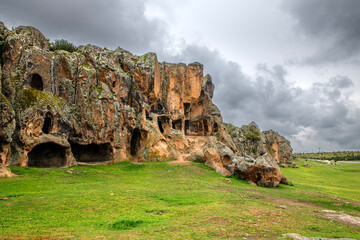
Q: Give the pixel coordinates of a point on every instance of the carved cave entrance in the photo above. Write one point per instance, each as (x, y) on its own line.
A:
(163, 123)
(48, 123)
(187, 110)
(137, 141)
(187, 125)
(92, 152)
(206, 127)
(215, 128)
(36, 82)
(47, 155)
(177, 124)
(196, 128)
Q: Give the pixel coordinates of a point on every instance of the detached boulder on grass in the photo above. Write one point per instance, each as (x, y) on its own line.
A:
(293, 165)
(264, 171)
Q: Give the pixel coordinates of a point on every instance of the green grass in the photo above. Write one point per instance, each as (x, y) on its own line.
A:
(160, 201)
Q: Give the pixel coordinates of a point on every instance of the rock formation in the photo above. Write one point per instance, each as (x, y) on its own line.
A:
(250, 141)
(100, 106)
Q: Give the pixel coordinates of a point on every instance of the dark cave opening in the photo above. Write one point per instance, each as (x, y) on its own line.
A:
(199, 127)
(92, 152)
(206, 127)
(177, 124)
(160, 126)
(187, 125)
(164, 123)
(215, 127)
(148, 116)
(48, 123)
(187, 109)
(47, 155)
(135, 142)
(36, 82)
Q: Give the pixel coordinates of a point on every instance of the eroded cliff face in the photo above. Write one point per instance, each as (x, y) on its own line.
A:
(99, 106)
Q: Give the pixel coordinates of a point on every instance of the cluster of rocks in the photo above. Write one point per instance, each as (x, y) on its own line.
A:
(95, 106)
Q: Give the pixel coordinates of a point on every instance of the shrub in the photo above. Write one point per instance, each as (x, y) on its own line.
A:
(62, 45)
(253, 134)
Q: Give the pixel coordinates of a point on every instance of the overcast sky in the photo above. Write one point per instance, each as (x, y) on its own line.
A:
(289, 65)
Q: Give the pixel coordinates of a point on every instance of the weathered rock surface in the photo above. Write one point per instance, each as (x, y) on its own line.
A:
(100, 106)
(5, 172)
(263, 170)
(250, 141)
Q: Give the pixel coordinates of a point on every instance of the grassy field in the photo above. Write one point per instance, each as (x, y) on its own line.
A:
(162, 201)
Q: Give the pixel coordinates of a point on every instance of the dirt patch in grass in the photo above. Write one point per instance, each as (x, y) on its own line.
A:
(284, 201)
(224, 188)
(341, 217)
(179, 162)
(294, 203)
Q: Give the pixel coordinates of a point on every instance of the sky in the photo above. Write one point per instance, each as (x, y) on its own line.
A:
(289, 65)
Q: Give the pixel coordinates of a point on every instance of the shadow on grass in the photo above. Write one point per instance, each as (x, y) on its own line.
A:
(125, 224)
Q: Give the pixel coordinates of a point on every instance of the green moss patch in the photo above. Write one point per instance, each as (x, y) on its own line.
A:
(29, 97)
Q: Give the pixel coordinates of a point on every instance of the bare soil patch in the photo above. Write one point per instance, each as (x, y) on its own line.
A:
(294, 203)
(341, 217)
(179, 162)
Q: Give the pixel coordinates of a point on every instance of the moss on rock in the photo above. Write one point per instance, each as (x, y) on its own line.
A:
(29, 97)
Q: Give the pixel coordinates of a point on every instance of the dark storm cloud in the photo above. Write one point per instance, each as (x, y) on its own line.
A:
(336, 24)
(269, 99)
(104, 23)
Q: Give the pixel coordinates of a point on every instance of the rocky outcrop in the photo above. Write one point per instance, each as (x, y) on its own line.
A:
(97, 105)
(104, 106)
(250, 141)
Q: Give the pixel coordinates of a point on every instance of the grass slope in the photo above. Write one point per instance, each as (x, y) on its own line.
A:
(160, 201)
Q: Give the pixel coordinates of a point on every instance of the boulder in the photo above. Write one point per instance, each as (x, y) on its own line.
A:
(283, 165)
(263, 171)
(293, 165)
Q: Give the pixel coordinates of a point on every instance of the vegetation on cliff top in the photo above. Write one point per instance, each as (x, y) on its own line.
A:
(62, 45)
(161, 201)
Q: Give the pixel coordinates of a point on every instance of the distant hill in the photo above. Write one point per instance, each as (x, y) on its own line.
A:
(337, 156)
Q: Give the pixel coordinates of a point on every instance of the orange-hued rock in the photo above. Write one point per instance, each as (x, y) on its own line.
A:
(214, 161)
(99, 106)
(263, 170)
(5, 172)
